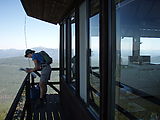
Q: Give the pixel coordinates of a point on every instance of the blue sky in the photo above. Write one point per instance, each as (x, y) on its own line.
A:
(12, 21)
(146, 43)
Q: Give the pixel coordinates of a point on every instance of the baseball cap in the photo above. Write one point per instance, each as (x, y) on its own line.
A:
(28, 51)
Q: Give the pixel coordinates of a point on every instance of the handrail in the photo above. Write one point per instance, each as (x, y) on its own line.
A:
(48, 83)
(53, 69)
(26, 107)
(56, 83)
(126, 113)
(140, 93)
(17, 99)
(135, 91)
(95, 91)
(51, 85)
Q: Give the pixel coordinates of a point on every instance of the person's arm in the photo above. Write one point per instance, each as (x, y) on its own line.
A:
(35, 68)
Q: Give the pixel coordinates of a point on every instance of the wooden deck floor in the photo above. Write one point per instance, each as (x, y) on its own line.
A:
(49, 111)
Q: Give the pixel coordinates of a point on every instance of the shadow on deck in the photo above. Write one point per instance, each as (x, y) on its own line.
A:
(49, 111)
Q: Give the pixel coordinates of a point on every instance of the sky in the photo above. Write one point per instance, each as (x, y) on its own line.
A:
(146, 43)
(12, 28)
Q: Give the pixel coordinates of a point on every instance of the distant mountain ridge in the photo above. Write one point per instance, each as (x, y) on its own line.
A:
(7, 53)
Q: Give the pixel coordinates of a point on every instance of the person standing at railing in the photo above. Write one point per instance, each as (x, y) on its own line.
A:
(73, 67)
(41, 63)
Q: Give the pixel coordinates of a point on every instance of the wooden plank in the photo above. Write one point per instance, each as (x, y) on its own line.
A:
(49, 116)
(48, 111)
(42, 115)
(36, 115)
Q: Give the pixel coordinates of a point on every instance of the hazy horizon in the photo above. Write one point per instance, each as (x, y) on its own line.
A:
(17, 28)
(28, 48)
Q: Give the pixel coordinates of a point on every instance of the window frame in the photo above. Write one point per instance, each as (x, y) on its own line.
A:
(107, 59)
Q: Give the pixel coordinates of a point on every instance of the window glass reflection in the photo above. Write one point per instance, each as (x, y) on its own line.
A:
(73, 53)
(64, 49)
(137, 59)
(94, 79)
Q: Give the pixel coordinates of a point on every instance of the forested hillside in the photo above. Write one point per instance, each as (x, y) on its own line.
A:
(11, 78)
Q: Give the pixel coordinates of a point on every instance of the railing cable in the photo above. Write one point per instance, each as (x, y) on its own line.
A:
(25, 37)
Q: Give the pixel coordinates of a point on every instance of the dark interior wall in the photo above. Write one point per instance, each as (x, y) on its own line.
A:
(71, 105)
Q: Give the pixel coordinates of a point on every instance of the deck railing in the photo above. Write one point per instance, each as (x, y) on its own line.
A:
(130, 89)
(21, 106)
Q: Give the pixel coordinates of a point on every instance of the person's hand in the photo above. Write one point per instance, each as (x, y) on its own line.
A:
(28, 70)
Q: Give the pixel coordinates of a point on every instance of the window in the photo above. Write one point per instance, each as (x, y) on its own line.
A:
(64, 48)
(137, 60)
(73, 51)
(93, 56)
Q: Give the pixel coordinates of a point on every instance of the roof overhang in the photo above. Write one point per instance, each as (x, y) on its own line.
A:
(52, 11)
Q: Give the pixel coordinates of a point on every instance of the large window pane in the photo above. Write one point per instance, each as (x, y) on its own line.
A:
(74, 62)
(73, 50)
(65, 49)
(137, 59)
(94, 79)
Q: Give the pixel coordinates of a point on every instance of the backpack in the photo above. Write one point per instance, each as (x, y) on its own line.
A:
(48, 60)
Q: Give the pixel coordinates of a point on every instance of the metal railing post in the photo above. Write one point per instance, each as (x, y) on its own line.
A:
(28, 102)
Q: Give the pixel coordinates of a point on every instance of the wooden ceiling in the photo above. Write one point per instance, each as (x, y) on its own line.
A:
(52, 11)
